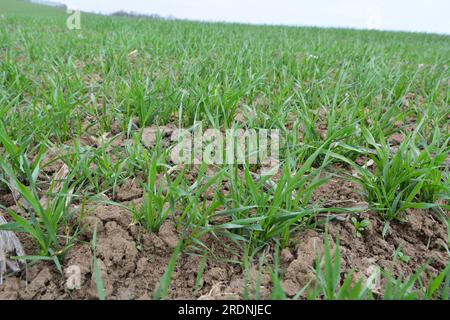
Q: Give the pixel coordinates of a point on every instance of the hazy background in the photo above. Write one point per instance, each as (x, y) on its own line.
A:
(406, 15)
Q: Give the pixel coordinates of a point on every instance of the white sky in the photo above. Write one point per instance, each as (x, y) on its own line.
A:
(407, 15)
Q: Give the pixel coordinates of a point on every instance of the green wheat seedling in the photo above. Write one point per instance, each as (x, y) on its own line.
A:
(406, 178)
(341, 128)
(159, 199)
(328, 282)
(261, 209)
(109, 171)
(276, 290)
(410, 287)
(101, 170)
(164, 284)
(16, 153)
(436, 187)
(139, 158)
(194, 211)
(47, 219)
(97, 272)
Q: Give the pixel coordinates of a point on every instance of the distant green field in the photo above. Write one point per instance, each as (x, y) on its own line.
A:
(26, 8)
(339, 98)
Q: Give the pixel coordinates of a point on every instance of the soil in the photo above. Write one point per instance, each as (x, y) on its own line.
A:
(133, 260)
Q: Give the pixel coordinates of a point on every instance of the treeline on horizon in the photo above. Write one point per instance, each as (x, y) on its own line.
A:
(120, 13)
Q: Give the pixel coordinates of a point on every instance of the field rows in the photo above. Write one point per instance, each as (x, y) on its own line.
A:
(357, 210)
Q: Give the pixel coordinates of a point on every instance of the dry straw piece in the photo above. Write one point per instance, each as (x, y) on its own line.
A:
(9, 246)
